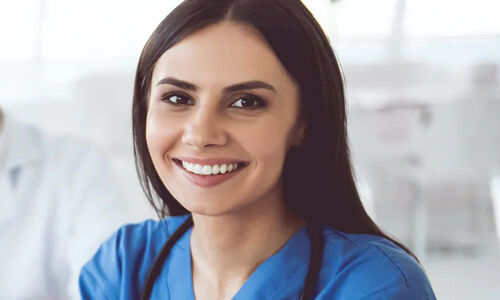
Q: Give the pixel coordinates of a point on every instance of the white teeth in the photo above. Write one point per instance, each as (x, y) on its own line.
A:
(209, 169)
(206, 170)
(197, 169)
(215, 169)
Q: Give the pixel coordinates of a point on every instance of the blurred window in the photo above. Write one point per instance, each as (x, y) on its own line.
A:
(19, 34)
(433, 18)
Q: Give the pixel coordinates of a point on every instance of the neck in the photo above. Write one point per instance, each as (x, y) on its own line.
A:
(227, 249)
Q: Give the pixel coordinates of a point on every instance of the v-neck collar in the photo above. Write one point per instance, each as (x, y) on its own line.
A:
(280, 271)
(277, 274)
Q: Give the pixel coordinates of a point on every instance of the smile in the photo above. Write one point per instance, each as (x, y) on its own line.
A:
(207, 173)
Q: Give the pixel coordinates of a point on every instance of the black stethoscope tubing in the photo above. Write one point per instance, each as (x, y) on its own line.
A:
(312, 274)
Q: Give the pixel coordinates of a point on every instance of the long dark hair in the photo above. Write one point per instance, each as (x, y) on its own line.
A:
(318, 179)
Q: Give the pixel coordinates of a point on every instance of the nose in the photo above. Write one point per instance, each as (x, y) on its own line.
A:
(204, 129)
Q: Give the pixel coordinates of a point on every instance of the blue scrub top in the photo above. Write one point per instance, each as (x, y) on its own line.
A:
(354, 266)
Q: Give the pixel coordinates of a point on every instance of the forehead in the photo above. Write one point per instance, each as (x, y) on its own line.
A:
(231, 51)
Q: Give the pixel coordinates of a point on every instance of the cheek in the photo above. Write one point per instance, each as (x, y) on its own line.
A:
(268, 146)
(160, 136)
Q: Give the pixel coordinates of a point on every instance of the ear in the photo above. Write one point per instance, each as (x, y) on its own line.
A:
(298, 133)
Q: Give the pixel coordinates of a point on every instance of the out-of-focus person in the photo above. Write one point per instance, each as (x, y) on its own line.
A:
(59, 199)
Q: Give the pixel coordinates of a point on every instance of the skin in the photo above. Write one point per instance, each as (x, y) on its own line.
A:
(232, 220)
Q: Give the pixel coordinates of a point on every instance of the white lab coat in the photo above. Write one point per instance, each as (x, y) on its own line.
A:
(59, 200)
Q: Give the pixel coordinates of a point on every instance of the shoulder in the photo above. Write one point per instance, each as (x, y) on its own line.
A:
(360, 266)
(86, 169)
(121, 265)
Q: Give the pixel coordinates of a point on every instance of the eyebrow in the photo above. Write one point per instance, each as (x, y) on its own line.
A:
(247, 85)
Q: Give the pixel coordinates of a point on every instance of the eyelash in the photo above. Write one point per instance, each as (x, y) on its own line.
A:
(165, 98)
(260, 103)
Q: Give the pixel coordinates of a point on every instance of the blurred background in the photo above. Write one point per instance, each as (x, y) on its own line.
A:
(424, 109)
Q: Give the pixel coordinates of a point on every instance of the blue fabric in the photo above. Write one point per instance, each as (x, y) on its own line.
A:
(354, 267)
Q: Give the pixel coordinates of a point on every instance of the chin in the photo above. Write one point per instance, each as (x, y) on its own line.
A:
(215, 206)
(203, 205)
(208, 210)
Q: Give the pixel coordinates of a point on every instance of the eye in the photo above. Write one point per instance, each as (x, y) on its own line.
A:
(248, 101)
(177, 99)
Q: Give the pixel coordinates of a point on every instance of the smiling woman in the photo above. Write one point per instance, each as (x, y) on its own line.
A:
(240, 139)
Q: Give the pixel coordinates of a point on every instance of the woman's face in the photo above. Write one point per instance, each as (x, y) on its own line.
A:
(222, 104)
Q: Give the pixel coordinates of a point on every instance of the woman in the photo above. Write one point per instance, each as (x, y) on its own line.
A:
(239, 128)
